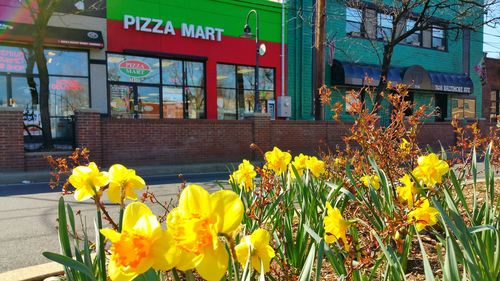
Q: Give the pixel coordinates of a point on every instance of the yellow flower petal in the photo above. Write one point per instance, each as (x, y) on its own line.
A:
(195, 200)
(164, 253)
(83, 194)
(214, 263)
(110, 234)
(227, 209)
(134, 213)
(114, 192)
(116, 274)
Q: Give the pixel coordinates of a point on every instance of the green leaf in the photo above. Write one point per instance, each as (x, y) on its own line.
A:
(305, 274)
(63, 229)
(429, 276)
(319, 260)
(71, 263)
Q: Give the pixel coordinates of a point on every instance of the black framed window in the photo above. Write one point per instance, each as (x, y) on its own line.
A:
(494, 104)
(414, 39)
(354, 22)
(149, 87)
(438, 38)
(384, 26)
(68, 84)
(236, 89)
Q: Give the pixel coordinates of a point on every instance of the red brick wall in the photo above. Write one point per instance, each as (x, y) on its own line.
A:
(435, 135)
(11, 139)
(88, 132)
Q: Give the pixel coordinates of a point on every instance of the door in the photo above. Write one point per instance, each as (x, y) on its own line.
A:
(441, 107)
(134, 101)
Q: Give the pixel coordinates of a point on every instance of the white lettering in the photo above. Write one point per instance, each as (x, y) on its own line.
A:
(209, 33)
(187, 30)
(156, 28)
(200, 33)
(137, 23)
(145, 25)
(219, 33)
(169, 28)
(128, 21)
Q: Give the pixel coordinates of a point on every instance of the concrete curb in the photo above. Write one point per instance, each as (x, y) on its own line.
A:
(33, 273)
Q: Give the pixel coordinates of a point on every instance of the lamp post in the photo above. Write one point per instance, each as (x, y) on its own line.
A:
(248, 34)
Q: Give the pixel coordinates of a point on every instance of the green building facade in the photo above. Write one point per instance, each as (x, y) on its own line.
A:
(438, 63)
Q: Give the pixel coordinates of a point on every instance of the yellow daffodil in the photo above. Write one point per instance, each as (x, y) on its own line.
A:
(423, 215)
(122, 183)
(373, 180)
(299, 162)
(316, 166)
(255, 246)
(339, 161)
(406, 193)
(404, 145)
(142, 244)
(87, 180)
(195, 226)
(244, 176)
(430, 170)
(335, 226)
(277, 160)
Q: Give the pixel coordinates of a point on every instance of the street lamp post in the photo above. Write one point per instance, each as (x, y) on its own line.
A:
(248, 34)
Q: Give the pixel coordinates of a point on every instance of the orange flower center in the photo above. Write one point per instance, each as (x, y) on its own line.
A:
(194, 234)
(131, 249)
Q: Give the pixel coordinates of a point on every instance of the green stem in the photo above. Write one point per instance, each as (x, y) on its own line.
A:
(102, 256)
(175, 275)
(120, 222)
(190, 276)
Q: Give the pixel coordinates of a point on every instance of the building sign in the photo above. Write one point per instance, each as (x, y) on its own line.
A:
(135, 68)
(453, 89)
(160, 26)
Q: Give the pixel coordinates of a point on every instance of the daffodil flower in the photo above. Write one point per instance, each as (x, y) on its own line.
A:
(196, 225)
(142, 244)
(430, 170)
(255, 248)
(407, 192)
(277, 160)
(423, 215)
(244, 176)
(335, 226)
(87, 180)
(299, 162)
(373, 181)
(316, 166)
(123, 181)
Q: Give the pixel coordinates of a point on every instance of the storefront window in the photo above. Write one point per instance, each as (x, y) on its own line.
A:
(3, 91)
(134, 69)
(235, 90)
(413, 39)
(438, 38)
(463, 108)
(384, 26)
(173, 102)
(354, 21)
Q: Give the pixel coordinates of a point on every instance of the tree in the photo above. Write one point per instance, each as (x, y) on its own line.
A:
(456, 14)
(40, 12)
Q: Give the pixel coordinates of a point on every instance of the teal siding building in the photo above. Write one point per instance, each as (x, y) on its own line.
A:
(438, 64)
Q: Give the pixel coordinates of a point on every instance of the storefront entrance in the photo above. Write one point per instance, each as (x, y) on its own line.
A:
(441, 107)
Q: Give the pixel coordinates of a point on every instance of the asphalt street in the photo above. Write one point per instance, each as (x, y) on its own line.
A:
(28, 215)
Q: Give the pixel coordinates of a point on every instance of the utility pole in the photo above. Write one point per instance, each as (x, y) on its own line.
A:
(319, 57)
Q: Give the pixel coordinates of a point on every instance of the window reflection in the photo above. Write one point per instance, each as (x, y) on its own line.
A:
(133, 69)
(172, 102)
(3, 91)
(195, 99)
(226, 104)
(194, 74)
(148, 102)
(67, 94)
(172, 72)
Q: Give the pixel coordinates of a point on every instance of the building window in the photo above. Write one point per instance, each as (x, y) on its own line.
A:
(68, 85)
(495, 104)
(236, 87)
(438, 38)
(415, 38)
(384, 26)
(145, 87)
(354, 22)
(463, 108)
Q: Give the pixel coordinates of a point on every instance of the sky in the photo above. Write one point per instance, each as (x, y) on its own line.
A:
(491, 44)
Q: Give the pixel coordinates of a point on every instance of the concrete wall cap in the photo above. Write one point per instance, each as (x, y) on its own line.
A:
(11, 109)
(87, 110)
(257, 114)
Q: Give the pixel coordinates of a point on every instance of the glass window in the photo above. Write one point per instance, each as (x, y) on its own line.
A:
(438, 38)
(62, 62)
(148, 102)
(413, 39)
(172, 72)
(67, 94)
(136, 69)
(463, 108)
(121, 101)
(195, 99)
(13, 59)
(3, 91)
(195, 74)
(235, 90)
(384, 26)
(494, 105)
(173, 102)
(354, 21)
(24, 95)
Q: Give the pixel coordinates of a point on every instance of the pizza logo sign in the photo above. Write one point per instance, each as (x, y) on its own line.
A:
(135, 68)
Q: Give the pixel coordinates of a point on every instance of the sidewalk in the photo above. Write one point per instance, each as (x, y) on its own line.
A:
(145, 171)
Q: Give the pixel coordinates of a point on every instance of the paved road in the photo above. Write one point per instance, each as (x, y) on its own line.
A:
(28, 216)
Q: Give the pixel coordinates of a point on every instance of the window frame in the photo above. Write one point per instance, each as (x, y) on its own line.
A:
(444, 40)
(418, 32)
(361, 23)
(380, 29)
(463, 99)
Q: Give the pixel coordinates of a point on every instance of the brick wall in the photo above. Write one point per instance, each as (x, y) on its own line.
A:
(11, 139)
